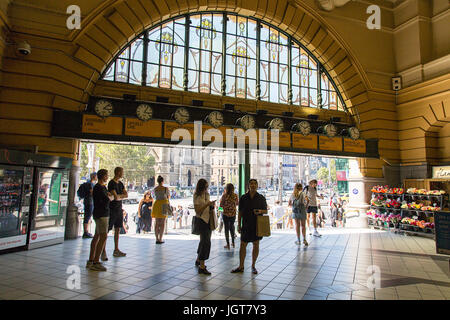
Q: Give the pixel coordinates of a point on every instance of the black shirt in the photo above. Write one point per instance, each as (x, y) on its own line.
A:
(101, 201)
(88, 186)
(119, 188)
(247, 205)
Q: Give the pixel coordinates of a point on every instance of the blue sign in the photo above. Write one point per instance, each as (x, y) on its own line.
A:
(289, 165)
(355, 191)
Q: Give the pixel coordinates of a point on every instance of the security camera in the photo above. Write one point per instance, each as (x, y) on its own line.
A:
(23, 48)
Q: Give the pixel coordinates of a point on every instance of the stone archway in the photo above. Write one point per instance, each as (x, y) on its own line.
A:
(120, 22)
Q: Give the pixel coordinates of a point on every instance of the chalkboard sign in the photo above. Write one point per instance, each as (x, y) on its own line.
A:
(442, 228)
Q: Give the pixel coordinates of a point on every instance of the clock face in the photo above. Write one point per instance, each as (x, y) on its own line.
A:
(181, 115)
(215, 118)
(304, 127)
(144, 112)
(330, 130)
(354, 133)
(277, 124)
(248, 122)
(103, 108)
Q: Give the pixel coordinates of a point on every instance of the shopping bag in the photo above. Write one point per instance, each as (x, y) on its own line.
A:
(195, 225)
(263, 225)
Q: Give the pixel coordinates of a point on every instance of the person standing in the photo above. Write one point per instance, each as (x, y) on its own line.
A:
(85, 192)
(101, 198)
(204, 210)
(228, 202)
(145, 212)
(298, 201)
(278, 213)
(311, 208)
(251, 204)
(117, 189)
(161, 197)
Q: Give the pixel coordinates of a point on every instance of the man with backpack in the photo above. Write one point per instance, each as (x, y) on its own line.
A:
(311, 196)
(85, 192)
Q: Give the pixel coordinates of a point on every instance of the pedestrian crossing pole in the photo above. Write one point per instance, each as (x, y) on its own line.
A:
(244, 169)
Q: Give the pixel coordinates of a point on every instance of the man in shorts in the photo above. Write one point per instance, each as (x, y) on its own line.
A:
(101, 198)
(117, 189)
(311, 207)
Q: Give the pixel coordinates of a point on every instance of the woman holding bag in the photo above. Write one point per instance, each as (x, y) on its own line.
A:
(206, 220)
(159, 207)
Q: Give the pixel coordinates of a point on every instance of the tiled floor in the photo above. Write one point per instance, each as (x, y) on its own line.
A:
(333, 267)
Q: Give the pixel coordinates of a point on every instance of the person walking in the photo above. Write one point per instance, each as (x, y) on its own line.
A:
(85, 192)
(228, 202)
(101, 198)
(204, 211)
(278, 213)
(162, 196)
(251, 204)
(145, 212)
(298, 204)
(117, 189)
(311, 207)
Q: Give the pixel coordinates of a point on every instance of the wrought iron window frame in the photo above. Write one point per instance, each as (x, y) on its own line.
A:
(259, 23)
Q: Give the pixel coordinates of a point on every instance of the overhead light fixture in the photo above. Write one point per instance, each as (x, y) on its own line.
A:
(197, 103)
(335, 119)
(162, 99)
(261, 112)
(228, 107)
(129, 97)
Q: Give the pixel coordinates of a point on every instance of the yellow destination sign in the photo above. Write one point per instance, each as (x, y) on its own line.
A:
(284, 139)
(331, 144)
(136, 127)
(95, 124)
(300, 141)
(357, 146)
(170, 127)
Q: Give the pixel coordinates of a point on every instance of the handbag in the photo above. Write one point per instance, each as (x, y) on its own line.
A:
(167, 209)
(263, 225)
(195, 225)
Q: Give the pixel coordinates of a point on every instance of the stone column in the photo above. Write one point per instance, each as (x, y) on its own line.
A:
(359, 196)
(72, 221)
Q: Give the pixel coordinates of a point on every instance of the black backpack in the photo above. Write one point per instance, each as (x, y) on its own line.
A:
(83, 190)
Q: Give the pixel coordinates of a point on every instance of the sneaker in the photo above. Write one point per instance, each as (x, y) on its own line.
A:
(317, 234)
(119, 253)
(305, 243)
(104, 257)
(87, 235)
(89, 264)
(97, 266)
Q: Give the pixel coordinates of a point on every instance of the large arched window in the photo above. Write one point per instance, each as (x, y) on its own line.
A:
(243, 58)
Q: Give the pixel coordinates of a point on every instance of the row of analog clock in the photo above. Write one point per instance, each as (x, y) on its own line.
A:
(144, 112)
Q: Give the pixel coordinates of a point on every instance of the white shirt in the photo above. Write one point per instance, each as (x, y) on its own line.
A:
(201, 201)
(278, 211)
(311, 193)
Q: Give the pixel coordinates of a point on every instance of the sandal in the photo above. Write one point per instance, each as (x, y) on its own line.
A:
(237, 270)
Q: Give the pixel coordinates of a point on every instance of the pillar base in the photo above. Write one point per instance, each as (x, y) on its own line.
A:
(359, 200)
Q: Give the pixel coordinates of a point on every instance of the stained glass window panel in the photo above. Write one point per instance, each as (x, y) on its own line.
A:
(284, 76)
(251, 69)
(283, 93)
(122, 70)
(109, 75)
(313, 79)
(251, 28)
(137, 49)
(136, 73)
(177, 79)
(154, 35)
(152, 75)
(230, 65)
(194, 59)
(216, 87)
(205, 83)
(333, 101)
(165, 75)
(178, 56)
(283, 54)
(240, 87)
(231, 24)
(193, 81)
(231, 44)
(264, 91)
(205, 61)
(295, 95)
(251, 88)
(304, 96)
(216, 63)
(194, 38)
(153, 52)
(230, 86)
(313, 97)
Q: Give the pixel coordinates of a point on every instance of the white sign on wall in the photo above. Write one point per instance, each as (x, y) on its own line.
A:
(441, 172)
